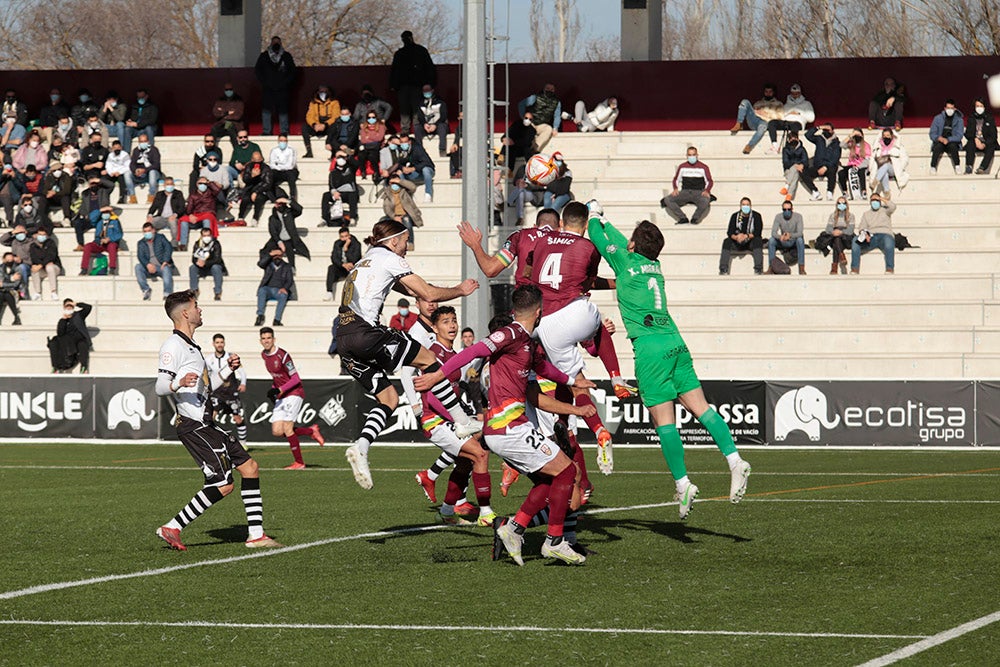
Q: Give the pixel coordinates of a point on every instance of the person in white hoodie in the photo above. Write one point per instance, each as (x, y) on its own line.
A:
(798, 113)
(601, 119)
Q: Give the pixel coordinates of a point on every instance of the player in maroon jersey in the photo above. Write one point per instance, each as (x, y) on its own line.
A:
(287, 393)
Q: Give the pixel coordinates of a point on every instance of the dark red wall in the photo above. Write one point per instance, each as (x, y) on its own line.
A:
(677, 95)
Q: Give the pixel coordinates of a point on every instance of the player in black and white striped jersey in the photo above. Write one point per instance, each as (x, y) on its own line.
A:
(226, 387)
(184, 375)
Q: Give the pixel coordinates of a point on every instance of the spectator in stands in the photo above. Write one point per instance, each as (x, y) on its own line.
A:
(11, 189)
(518, 141)
(13, 106)
(323, 111)
(10, 287)
(209, 144)
(12, 135)
(215, 173)
(275, 285)
(168, 205)
(45, 262)
(275, 71)
(32, 153)
(32, 180)
(455, 150)
(745, 231)
(228, 112)
(889, 160)
(284, 165)
(371, 103)
(886, 108)
(29, 216)
(388, 165)
(398, 204)
(142, 118)
(66, 130)
(107, 235)
(94, 199)
(257, 188)
(692, 185)
(284, 234)
(51, 112)
(601, 119)
(93, 158)
(546, 115)
(20, 241)
(119, 168)
(980, 137)
(343, 186)
(795, 163)
(432, 119)
(558, 193)
(155, 259)
(838, 236)
(345, 254)
(113, 114)
(404, 318)
(412, 67)
(370, 138)
(200, 211)
(344, 134)
(206, 260)
(59, 189)
(72, 338)
(145, 166)
(796, 114)
(787, 233)
(84, 109)
(92, 126)
(758, 115)
(947, 130)
(416, 165)
(826, 157)
(853, 177)
(242, 153)
(875, 231)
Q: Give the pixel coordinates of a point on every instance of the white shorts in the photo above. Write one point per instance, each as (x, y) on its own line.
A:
(523, 447)
(443, 435)
(286, 409)
(562, 331)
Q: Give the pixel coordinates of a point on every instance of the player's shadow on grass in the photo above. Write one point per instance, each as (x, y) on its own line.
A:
(438, 554)
(229, 535)
(675, 530)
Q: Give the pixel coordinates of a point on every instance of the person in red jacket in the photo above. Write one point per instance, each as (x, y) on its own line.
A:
(200, 211)
(405, 318)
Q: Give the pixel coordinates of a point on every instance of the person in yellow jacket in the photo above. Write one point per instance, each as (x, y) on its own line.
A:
(324, 110)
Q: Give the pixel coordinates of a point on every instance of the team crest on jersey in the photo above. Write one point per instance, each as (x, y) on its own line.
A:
(545, 449)
(497, 337)
(612, 249)
(166, 359)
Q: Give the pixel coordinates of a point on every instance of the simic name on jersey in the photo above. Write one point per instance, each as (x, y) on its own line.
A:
(25, 407)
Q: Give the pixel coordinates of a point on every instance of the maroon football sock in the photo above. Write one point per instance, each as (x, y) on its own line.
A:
(594, 422)
(303, 430)
(293, 443)
(580, 460)
(537, 498)
(484, 487)
(559, 494)
(606, 351)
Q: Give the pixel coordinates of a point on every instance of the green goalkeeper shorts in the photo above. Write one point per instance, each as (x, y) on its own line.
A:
(663, 368)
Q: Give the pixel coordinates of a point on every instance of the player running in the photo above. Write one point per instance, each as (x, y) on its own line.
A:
(509, 434)
(663, 365)
(287, 394)
(184, 375)
(226, 390)
(371, 351)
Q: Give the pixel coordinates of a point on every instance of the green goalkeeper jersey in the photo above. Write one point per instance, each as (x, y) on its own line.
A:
(642, 298)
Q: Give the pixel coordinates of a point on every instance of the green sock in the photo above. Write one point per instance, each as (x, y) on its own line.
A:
(673, 449)
(719, 431)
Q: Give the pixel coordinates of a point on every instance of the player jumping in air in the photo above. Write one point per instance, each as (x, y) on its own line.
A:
(184, 374)
(663, 365)
(287, 393)
(371, 351)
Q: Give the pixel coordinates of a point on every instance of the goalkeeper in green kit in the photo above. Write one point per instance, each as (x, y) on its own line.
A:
(663, 365)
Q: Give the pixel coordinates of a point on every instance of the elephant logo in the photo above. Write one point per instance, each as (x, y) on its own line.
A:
(803, 409)
(129, 406)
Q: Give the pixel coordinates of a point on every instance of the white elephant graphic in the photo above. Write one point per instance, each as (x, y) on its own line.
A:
(128, 406)
(803, 409)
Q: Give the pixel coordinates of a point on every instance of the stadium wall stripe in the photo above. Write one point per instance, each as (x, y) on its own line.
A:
(436, 628)
(933, 640)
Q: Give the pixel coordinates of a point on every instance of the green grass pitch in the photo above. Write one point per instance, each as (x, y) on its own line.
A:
(833, 558)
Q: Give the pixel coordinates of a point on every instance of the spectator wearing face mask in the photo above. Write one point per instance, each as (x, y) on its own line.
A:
(344, 188)
(398, 204)
(546, 115)
(14, 107)
(284, 165)
(370, 138)
(45, 263)
(206, 260)
(12, 135)
(66, 130)
(142, 118)
(875, 231)
(412, 67)
(145, 165)
(344, 135)
(416, 165)
(432, 119)
(758, 115)
(275, 285)
(601, 119)
(744, 234)
(258, 186)
(119, 168)
(692, 185)
(30, 217)
(92, 126)
(787, 232)
(284, 234)
(72, 342)
(518, 141)
(32, 180)
(107, 235)
(50, 113)
(217, 174)
(404, 317)
(323, 111)
(168, 205)
(94, 198)
(796, 114)
(227, 111)
(20, 242)
(837, 236)
(31, 153)
(275, 71)
(113, 114)
(84, 109)
(372, 103)
(58, 191)
(10, 286)
(155, 259)
(199, 212)
(980, 137)
(853, 177)
(947, 130)
(795, 163)
(209, 145)
(11, 189)
(889, 160)
(826, 158)
(94, 158)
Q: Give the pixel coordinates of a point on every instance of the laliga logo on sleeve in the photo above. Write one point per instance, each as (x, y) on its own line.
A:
(803, 409)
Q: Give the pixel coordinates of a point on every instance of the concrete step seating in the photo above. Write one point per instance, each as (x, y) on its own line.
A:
(939, 316)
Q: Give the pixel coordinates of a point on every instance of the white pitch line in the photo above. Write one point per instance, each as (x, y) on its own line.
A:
(897, 501)
(435, 628)
(933, 640)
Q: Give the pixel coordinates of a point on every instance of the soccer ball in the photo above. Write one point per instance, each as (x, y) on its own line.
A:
(540, 169)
